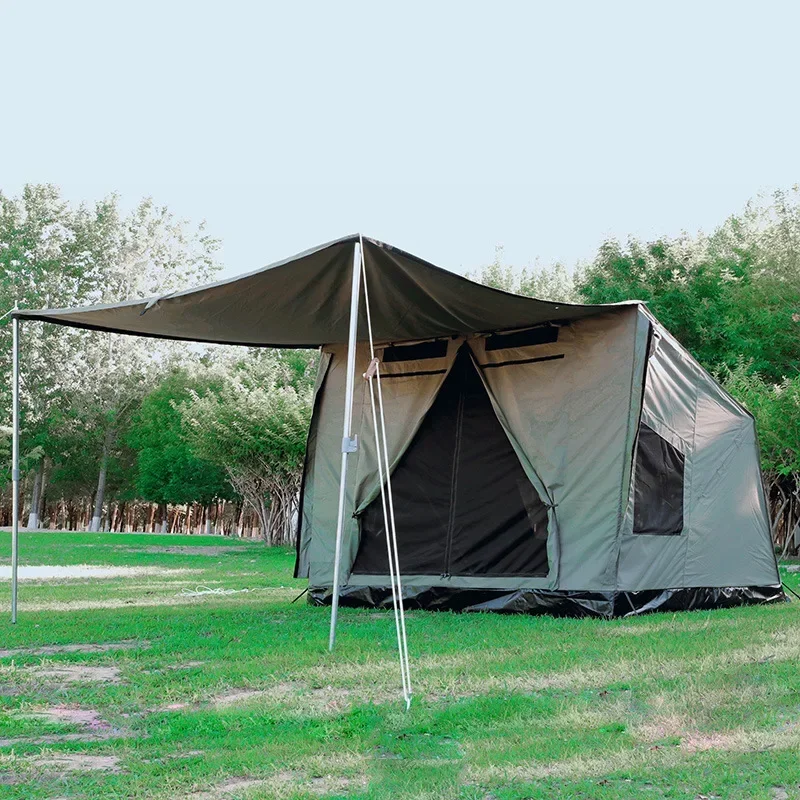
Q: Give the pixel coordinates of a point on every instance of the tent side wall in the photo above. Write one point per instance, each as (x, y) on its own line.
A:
(720, 534)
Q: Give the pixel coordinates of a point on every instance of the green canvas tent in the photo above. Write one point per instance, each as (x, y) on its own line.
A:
(543, 456)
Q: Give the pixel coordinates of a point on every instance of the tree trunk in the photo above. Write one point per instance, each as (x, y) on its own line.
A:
(162, 517)
(101, 482)
(33, 516)
(42, 509)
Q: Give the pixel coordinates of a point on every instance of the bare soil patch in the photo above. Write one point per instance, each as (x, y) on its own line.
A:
(53, 738)
(72, 715)
(78, 673)
(230, 787)
(77, 762)
(95, 728)
(700, 742)
(288, 781)
(261, 595)
(299, 695)
(55, 649)
(48, 572)
(189, 550)
(238, 696)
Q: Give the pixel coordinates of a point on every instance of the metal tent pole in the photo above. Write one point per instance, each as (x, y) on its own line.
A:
(14, 464)
(349, 443)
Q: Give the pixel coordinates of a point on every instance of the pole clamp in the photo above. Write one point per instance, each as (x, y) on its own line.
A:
(350, 444)
(15, 475)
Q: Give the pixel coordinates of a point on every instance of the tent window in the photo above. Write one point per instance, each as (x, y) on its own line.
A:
(658, 486)
(415, 352)
(544, 334)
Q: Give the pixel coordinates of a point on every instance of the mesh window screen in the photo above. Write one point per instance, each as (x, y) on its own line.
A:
(658, 486)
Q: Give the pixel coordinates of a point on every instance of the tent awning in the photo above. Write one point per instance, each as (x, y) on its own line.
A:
(304, 301)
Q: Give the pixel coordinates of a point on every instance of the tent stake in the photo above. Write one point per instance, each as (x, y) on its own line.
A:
(348, 443)
(14, 464)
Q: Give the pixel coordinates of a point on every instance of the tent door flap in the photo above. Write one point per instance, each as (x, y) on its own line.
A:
(463, 504)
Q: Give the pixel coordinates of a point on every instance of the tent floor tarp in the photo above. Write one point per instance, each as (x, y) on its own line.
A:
(555, 603)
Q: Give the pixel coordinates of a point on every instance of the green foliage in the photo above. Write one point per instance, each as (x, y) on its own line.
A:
(79, 388)
(721, 307)
(167, 469)
(545, 283)
(776, 408)
(254, 425)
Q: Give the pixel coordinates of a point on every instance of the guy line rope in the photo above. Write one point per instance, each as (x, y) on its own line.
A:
(382, 452)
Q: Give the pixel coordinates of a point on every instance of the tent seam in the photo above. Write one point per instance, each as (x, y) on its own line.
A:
(628, 451)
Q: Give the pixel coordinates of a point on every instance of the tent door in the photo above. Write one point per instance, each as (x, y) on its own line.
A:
(463, 503)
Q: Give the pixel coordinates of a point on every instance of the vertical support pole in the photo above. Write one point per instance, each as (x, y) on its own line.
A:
(348, 445)
(14, 464)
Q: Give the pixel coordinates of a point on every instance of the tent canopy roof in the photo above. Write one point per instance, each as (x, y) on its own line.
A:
(304, 301)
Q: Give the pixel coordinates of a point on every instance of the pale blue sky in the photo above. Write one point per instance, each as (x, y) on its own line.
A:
(443, 127)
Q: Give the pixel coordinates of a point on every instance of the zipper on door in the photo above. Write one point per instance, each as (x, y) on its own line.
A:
(454, 483)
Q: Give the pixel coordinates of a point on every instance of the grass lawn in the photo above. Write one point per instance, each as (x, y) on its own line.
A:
(127, 687)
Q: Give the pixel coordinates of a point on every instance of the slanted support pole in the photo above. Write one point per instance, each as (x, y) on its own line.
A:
(349, 444)
(14, 464)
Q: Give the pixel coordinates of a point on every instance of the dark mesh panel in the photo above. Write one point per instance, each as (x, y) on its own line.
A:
(658, 486)
(463, 504)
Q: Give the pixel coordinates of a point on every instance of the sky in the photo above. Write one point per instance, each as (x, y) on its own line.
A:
(445, 128)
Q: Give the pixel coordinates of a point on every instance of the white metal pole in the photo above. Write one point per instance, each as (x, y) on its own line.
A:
(348, 444)
(14, 464)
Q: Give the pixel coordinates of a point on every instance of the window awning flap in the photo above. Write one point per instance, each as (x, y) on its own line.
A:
(304, 301)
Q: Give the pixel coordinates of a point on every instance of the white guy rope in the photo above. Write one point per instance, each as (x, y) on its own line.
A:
(368, 375)
(198, 591)
(382, 453)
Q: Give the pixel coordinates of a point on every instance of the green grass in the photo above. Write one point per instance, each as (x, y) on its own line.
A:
(505, 707)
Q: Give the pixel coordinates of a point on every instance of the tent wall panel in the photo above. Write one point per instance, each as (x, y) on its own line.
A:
(658, 561)
(306, 511)
(725, 539)
(409, 389)
(319, 527)
(572, 417)
(729, 541)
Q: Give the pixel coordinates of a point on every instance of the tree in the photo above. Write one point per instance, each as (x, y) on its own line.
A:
(721, 306)
(729, 297)
(776, 409)
(255, 426)
(167, 470)
(45, 259)
(53, 254)
(544, 283)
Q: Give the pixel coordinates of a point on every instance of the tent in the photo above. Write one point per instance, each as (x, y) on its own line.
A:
(586, 465)
(542, 456)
